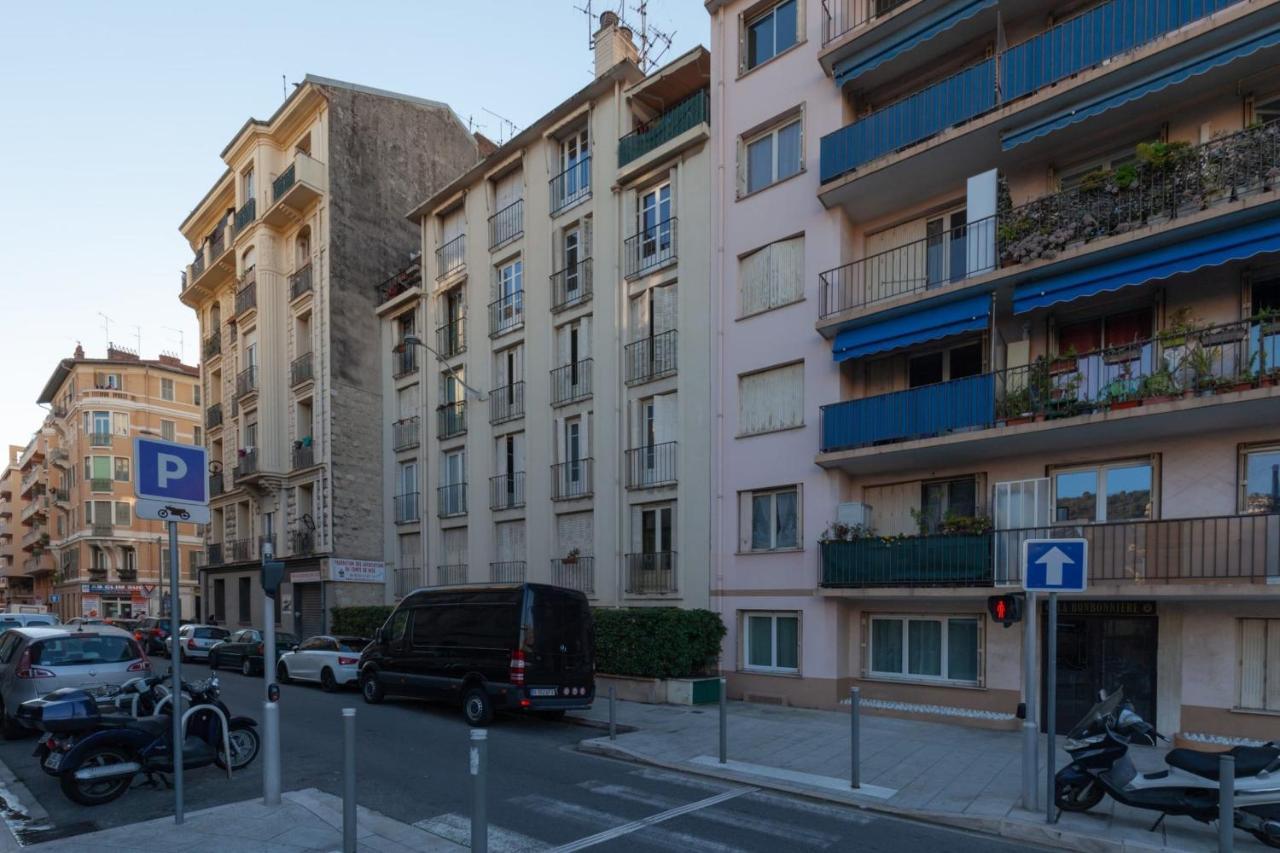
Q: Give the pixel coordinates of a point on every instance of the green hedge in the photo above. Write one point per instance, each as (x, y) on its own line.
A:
(657, 642)
(359, 621)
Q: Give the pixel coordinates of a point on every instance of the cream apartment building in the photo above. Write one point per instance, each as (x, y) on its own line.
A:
(554, 425)
(16, 587)
(309, 210)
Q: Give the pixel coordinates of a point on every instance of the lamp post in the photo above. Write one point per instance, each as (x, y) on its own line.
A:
(412, 340)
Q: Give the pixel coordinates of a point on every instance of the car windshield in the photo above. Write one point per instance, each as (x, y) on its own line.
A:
(352, 644)
(83, 650)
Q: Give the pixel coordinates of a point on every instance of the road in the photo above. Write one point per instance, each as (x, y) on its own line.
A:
(412, 765)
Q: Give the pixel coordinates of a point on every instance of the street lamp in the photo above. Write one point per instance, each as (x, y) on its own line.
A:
(412, 340)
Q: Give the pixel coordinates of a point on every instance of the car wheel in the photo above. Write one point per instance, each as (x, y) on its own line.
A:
(477, 707)
(282, 673)
(246, 667)
(371, 688)
(328, 683)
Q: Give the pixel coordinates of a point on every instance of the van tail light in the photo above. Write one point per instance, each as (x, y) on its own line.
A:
(348, 661)
(191, 643)
(26, 670)
(517, 667)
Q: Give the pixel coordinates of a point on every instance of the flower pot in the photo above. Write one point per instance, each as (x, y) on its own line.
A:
(1161, 398)
(1020, 419)
(1125, 404)
(1062, 365)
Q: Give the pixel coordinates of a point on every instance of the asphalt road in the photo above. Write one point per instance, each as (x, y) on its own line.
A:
(412, 765)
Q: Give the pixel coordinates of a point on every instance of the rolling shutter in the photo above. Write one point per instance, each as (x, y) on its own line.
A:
(770, 400)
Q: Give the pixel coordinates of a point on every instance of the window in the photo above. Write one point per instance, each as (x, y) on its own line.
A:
(168, 430)
(944, 499)
(1266, 110)
(246, 185)
(771, 277)
(771, 400)
(770, 520)
(925, 648)
(197, 436)
(1260, 479)
(1260, 664)
(122, 514)
(772, 642)
(654, 214)
(1105, 332)
(774, 155)
(1115, 492)
(108, 381)
(122, 469)
(119, 423)
(102, 469)
(245, 589)
(195, 394)
(166, 389)
(130, 560)
(944, 365)
(771, 33)
(220, 599)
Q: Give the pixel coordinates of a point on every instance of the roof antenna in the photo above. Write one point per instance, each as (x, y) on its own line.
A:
(284, 89)
(182, 344)
(507, 124)
(106, 327)
(654, 43)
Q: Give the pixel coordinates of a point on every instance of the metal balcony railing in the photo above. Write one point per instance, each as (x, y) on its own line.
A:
(408, 578)
(652, 465)
(406, 508)
(451, 500)
(451, 419)
(101, 484)
(451, 257)
(506, 491)
(507, 224)
(506, 313)
(571, 480)
(451, 574)
(248, 464)
(247, 381)
(212, 346)
(300, 282)
(571, 286)
(451, 338)
(651, 358)
(247, 295)
(571, 382)
(842, 16)
(100, 439)
(218, 240)
(213, 416)
(909, 561)
(304, 455)
(506, 403)
(300, 369)
(281, 184)
(652, 573)
(239, 550)
(213, 554)
(686, 114)
(245, 216)
(571, 185)
(405, 361)
(405, 433)
(101, 528)
(197, 264)
(653, 247)
(575, 573)
(507, 571)
(216, 484)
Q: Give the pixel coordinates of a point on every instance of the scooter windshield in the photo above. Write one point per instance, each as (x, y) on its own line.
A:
(1096, 715)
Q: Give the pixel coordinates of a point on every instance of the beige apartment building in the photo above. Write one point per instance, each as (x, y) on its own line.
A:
(553, 425)
(310, 209)
(15, 586)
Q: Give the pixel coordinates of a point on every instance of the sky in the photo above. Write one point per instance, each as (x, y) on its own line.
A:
(114, 115)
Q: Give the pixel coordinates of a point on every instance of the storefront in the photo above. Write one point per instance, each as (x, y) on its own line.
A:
(113, 600)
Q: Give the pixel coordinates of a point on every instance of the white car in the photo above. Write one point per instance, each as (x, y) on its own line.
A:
(332, 661)
(194, 641)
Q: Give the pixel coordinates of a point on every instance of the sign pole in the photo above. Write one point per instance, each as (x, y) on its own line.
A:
(1051, 707)
(1030, 745)
(175, 669)
(270, 708)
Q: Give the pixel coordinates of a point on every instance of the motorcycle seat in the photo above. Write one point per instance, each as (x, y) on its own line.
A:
(1250, 760)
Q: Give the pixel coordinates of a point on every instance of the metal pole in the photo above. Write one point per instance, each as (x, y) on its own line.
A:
(724, 722)
(479, 819)
(613, 714)
(1030, 744)
(855, 725)
(348, 780)
(175, 669)
(1051, 708)
(270, 708)
(1226, 802)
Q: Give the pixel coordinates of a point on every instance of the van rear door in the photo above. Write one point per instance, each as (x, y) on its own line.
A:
(559, 641)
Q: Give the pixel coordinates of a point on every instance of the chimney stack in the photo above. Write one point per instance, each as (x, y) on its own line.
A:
(79, 353)
(613, 44)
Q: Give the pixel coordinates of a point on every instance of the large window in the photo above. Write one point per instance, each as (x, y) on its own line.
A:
(771, 400)
(1260, 664)
(122, 469)
(771, 32)
(926, 648)
(168, 430)
(772, 642)
(1260, 479)
(1121, 491)
(774, 155)
(941, 500)
(166, 389)
(771, 519)
(771, 277)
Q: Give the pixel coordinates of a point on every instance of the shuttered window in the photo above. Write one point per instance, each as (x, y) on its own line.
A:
(771, 277)
(770, 400)
(1260, 664)
(574, 530)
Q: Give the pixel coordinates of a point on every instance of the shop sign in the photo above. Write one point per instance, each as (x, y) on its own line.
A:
(114, 588)
(305, 577)
(1075, 607)
(90, 605)
(360, 571)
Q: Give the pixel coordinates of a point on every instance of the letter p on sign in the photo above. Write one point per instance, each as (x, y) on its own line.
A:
(169, 467)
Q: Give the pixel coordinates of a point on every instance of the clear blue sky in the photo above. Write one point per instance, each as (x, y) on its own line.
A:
(114, 114)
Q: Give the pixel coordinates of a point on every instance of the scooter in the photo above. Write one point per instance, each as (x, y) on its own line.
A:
(1100, 765)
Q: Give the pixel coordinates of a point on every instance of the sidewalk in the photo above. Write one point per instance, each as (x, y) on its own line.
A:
(948, 774)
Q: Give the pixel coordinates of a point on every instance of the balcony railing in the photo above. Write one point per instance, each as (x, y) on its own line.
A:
(101, 528)
(652, 573)
(213, 554)
(451, 257)
(452, 574)
(506, 403)
(408, 578)
(653, 247)
(571, 382)
(507, 571)
(218, 240)
(451, 338)
(248, 464)
(101, 484)
(300, 369)
(684, 115)
(842, 16)
(247, 380)
(571, 286)
(246, 214)
(239, 550)
(100, 439)
(304, 455)
(571, 185)
(909, 561)
(405, 361)
(506, 491)
(300, 282)
(1091, 38)
(405, 433)
(507, 224)
(1176, 363)
(302, 541)
(217, 484)
(652, 465)
(651, 358)
(451, 419)
(575, 573)
(406, 508)
(571, 480)
(451, 500)
(247, 295)
(212, 346)
(213, 416)
(506, 313)
(281, 184)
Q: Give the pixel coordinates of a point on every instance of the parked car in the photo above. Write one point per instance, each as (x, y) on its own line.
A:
(244, 649)
(22, 620)
(152, 631)
(520, 647)
(332, 661)
(86, 620)
(194, 641)
(38, 660)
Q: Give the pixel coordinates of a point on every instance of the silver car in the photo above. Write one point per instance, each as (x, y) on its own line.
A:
(194, 641)
(36, 661)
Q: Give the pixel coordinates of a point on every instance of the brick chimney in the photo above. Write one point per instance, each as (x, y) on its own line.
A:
(79, 353)
(170, 359)
(613, 44)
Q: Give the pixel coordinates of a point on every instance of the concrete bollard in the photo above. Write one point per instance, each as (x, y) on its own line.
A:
(348, 780)
(479, 816)
(613, 713)
(855, 741)
(1226, 802)
(724, 721)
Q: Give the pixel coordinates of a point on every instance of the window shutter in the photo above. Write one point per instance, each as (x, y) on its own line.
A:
(455, 546)
(518, 442)
(786, 271)
(584, 436)
(1273, 665)
(664, 416)
(640, 317)
(574, 531)
(584, 247)
(664, 307)
(558, 433)
(584, 337)
(771, 399)
(753, 277)
(1253, 662)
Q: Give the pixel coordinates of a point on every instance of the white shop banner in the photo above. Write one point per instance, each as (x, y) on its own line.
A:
(362, 571)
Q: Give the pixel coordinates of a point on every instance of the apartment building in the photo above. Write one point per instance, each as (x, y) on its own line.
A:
(989, 272)
(560, 432)
(309, 210)
(15, 587)
(89, 554)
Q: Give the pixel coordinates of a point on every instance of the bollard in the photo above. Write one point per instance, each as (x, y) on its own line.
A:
(271, 753)
(613, 715)
(1226, 802)
(724, 721)
(479, 819)
(348, 780)
(855, 723)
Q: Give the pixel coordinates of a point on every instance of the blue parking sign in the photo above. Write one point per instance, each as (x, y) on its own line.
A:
(1055, 565)
(171, 473)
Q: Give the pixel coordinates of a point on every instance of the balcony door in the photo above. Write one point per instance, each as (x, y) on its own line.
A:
(572, 255)
(573, 155)
(655, 223)
(946, 248)
(656, 542)
(575, 450)
(453, 472)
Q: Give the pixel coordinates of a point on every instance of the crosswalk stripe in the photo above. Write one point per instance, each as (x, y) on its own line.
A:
(457, 828)
(653, 820)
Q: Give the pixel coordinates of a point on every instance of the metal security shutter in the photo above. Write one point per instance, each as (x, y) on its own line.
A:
(311, 609)
(510, 541)
(574, 530)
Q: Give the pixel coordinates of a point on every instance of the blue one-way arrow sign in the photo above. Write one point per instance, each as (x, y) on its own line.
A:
(1055, 565)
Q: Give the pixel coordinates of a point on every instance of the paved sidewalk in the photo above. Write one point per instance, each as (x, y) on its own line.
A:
(951, 774)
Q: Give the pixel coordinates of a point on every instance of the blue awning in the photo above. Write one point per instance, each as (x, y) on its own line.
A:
(1211, 250)
(1155, 83)
(847, 70)
(952, 318)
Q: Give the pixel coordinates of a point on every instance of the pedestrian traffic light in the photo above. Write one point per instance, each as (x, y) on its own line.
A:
(1005, 609)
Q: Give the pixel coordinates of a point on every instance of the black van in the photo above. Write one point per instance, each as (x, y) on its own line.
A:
(522, 647)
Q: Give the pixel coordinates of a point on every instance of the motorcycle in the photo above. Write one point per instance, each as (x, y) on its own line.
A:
(1100, 765)
(96, 756)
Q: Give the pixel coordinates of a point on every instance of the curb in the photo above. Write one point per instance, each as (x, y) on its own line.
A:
(603, 725)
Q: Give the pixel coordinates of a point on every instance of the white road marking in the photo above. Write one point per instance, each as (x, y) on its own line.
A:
(699, 783)
(678, 841)
(813, 780)
(847, 814)
(457, 828)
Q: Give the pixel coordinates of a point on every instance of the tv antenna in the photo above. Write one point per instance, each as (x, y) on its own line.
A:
(505, 124)
(654, 43)
(106, 327)
(182, 344)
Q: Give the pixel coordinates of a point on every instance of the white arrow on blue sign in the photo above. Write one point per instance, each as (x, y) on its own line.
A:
(1055, 565)
(170, 480)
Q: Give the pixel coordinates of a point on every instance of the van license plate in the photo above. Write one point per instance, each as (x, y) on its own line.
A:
(542, 691)
(53, 760)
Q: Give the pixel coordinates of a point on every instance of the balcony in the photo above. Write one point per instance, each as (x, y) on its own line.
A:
(100, 439)
(216, 484)
(451, 575)
(247, 381)
(506, 225)
(571, 286)
(508, 571)
(908, 561)
(101, 529)
(101, 484)
(213, 554)
(652, 465)
(61, 495)
(506, 491)
(300, 282)
(685, 115)
(70, 563)
(213, 416)
(845, 16)
(651, 358)
(571, 480)
(451, 257)
(571, 383)
(451, 500)
(35, 538)
(240, 550)
(451, 338)
(451, 420)
(58, 456)
(246, 216)
(651, 249)
(302, 541)
(406, 509)
(211, 346)
(652, 573)
(247, 466)
(213, 264)
(400, 282)
(506, 314)
(247, 293)
(408, 578)
(300, 370)
(293, 191)
(405, 433)
(506, 403)
(404, 361)
(571, 186)
(575, 573)
(37, 508)
(304, 454)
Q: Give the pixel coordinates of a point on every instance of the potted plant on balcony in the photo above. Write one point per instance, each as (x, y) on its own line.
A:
(571, 558)
(966, 525)
(1201, 361)
(1159, 387)
(1063, 362)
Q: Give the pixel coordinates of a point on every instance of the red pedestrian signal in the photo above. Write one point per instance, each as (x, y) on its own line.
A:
(1005, 609)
